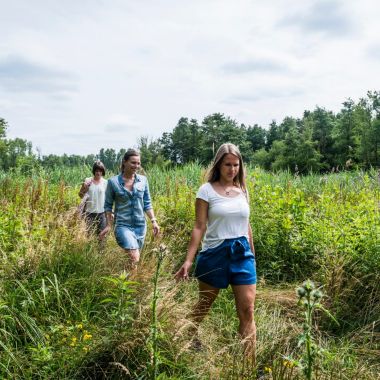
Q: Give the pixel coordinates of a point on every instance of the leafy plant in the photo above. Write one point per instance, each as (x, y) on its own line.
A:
(309, 298)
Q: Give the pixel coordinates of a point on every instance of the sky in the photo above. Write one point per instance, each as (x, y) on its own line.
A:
(80, 75)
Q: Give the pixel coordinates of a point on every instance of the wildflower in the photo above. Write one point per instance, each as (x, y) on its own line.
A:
(288, 364)
(73, 341)
(79, 326)
(87, 336)
(268, 369)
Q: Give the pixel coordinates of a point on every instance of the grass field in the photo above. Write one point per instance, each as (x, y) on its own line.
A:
(69, 312)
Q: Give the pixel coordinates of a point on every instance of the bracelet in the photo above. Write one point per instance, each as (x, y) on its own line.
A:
(153, 220)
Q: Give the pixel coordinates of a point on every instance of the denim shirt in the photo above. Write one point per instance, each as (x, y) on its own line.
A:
(129, 205)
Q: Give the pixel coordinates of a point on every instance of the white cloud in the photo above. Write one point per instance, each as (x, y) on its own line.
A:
(106, 73)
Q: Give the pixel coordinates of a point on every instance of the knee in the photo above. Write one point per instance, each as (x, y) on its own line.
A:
(246, 313)
(134, 255)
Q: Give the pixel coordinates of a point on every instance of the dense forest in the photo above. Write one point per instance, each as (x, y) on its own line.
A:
(320, 141)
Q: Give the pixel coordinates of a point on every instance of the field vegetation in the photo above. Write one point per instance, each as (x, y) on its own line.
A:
(68, 311)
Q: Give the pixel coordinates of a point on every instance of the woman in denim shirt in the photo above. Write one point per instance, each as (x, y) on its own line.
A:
(129, 193)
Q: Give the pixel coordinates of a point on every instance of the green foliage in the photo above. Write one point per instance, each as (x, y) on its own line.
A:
(119, 300)
(68, 313)
(309, 298)
(320, 141)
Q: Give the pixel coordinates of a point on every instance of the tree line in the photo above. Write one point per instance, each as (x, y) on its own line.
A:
(18, 153)
(320, 141)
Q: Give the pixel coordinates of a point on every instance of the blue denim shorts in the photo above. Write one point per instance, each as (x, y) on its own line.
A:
(129, 237)
(231, 262)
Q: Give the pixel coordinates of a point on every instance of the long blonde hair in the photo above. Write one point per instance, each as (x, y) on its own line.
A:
(213, 173)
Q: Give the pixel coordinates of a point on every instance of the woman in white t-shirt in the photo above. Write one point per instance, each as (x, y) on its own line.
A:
(227, 254)
(94, 189)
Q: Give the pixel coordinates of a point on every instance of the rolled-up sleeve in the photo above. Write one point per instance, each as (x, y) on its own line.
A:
(110, 197)
(147, 199)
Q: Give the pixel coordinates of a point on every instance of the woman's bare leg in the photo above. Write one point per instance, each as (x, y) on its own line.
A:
(207, 295)
(132, 261)
(245, 300)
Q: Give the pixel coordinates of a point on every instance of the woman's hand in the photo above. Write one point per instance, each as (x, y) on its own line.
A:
(183, 273)
(104, 232)
(156, 228)
(84, 188)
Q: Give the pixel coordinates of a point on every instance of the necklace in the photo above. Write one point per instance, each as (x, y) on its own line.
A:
(225, 190)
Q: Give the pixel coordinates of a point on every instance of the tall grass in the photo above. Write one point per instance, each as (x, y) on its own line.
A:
(66, 313)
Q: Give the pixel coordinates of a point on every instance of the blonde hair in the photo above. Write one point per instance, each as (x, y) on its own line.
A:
(213, 173)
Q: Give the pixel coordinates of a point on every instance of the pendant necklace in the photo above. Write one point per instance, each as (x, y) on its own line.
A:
(227, 192)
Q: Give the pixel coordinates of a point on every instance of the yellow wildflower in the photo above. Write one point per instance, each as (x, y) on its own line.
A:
(288, 364)
(268, 369)
(79, 326)
(87, 336)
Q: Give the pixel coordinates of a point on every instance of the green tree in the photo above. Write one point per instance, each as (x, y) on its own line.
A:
(262, 158)
(374, 98)
(257, 137)
(185, 141)
(365, 153)
(218, 129)
(109, 158)
(308, 157)
(273, 134)
(150, 152)
(322, 124)
(166, 145)
(15, 150)
(287, 158)
(3, 145)
(345, 136)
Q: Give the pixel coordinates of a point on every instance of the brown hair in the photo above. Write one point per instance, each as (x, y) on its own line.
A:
(213, 173)
(127, 155)
(98, 165)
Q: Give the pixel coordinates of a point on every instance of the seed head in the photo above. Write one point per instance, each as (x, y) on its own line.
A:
(316, 295)
(308, 285)
(301, 292)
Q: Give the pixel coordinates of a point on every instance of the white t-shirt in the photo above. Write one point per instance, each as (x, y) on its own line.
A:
(228, 217)
(96, 196)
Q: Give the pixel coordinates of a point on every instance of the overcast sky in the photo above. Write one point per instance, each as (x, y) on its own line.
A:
(78, 75)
